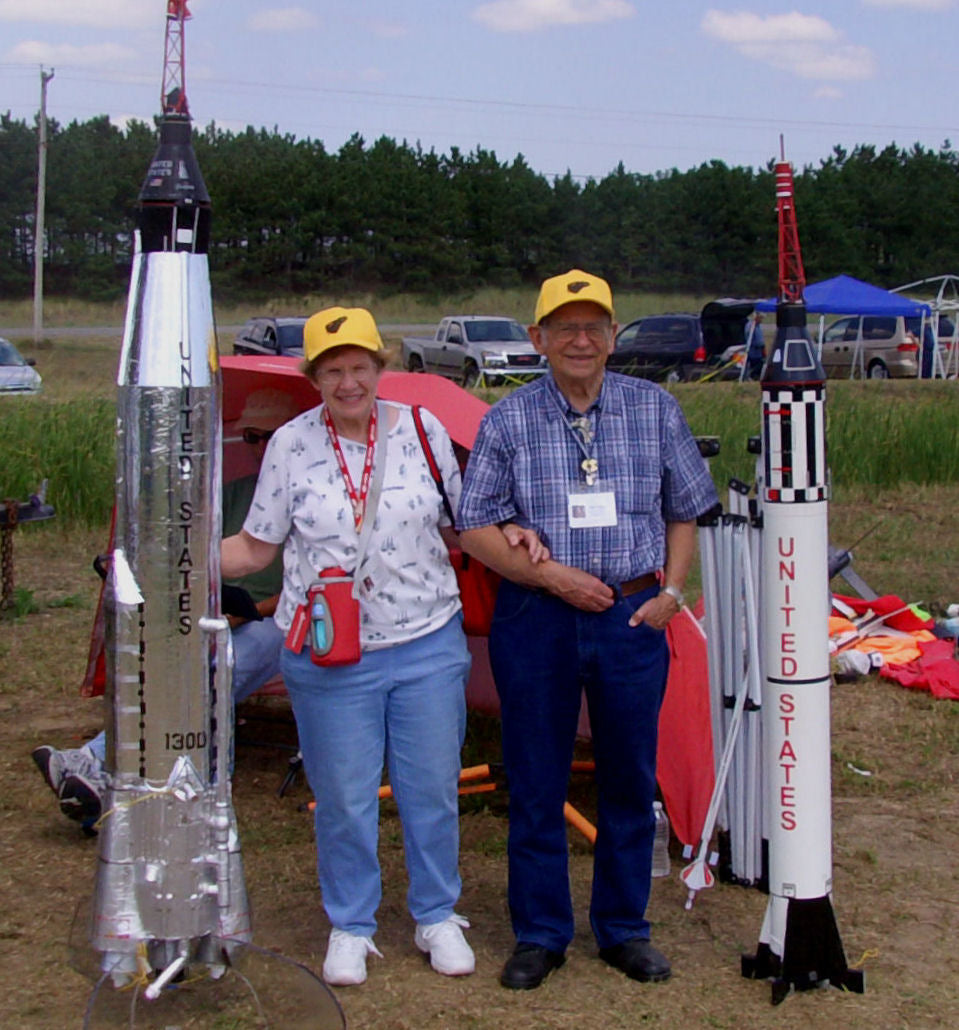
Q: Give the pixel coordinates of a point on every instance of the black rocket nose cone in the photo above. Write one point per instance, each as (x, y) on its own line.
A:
(174, 176)
(793, 359)
(174, 204)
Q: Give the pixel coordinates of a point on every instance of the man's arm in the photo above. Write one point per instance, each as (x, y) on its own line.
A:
(515, 535)
(242, 554)
(680, 549)
(492, 547)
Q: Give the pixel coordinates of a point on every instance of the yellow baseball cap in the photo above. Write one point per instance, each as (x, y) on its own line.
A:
(571, 286)
(340, 327)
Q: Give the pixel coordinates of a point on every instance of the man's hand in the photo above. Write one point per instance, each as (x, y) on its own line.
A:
(656, 612)
(517, 536)
(578, 588)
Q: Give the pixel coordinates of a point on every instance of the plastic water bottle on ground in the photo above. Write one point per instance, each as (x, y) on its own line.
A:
(661, 841)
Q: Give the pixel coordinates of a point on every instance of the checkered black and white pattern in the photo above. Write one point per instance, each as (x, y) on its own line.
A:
(794, 428)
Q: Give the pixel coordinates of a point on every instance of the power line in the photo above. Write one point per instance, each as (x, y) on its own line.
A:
(560, 110)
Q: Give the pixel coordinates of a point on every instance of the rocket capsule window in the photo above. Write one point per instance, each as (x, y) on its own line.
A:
(798, 356)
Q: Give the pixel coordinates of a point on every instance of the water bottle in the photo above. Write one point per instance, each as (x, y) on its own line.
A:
(660, 841)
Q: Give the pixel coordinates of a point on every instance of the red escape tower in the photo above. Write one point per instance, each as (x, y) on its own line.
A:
(792, 278)
(173, 92)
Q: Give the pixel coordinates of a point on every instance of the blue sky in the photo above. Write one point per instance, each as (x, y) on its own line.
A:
(570, 84)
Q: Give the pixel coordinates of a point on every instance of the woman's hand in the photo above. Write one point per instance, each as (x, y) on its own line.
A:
(517, 536)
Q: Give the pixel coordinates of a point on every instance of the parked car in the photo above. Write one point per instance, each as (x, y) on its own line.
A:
(268, 335)
(889, 345)
(17, 374)
(483, 350)
(681, 346)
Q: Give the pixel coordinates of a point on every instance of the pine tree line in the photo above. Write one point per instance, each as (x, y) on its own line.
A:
(389, 216)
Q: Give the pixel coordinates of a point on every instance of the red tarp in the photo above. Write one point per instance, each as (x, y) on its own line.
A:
(936, 670)
(906, 620)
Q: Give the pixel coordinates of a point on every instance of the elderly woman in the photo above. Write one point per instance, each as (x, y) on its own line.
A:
(405, 696)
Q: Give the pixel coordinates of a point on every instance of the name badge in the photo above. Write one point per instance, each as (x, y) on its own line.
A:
(589, 510)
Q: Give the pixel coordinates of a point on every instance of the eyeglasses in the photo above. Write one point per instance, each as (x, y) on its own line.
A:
(567, 332)
(334, 376)
(251, 435)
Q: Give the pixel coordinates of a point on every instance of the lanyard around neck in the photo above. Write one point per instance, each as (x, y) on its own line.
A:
(583, 435)
(357, 500)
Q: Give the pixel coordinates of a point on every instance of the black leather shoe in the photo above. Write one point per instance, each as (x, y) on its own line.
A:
(528, 966)
(638, 959)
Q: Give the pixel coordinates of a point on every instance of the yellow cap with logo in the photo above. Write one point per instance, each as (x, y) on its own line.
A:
(571, 286)
(340, 327)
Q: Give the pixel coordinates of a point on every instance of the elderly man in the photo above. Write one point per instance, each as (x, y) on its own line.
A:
(604, 468)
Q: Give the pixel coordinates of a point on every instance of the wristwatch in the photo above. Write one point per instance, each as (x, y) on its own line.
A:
(676, 594)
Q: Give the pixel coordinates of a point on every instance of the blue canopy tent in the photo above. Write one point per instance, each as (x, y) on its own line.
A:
(845, 295)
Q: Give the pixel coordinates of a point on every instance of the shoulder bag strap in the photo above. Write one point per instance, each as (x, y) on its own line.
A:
(431, 462)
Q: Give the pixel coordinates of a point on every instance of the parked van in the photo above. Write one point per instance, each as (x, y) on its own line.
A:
(890, 345)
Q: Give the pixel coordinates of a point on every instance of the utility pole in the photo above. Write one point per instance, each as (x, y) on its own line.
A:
(38, 245)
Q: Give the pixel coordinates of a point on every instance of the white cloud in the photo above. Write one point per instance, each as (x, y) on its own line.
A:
(913, 5)
(103, 14)
(122, 121)
(742, 27)
(94, 55)
(530, 15)
(283, 19)
(827, 93)
(803, 44)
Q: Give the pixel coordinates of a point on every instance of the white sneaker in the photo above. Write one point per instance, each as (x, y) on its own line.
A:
(56, 765)
(446, 946)
(345, 963)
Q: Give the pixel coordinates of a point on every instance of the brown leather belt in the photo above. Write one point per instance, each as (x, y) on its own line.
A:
(640, 583)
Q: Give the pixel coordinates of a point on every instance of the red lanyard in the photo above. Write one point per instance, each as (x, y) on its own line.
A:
(358, 500)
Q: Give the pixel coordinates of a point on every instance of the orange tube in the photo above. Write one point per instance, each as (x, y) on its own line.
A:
(477, 788)
(579, 822)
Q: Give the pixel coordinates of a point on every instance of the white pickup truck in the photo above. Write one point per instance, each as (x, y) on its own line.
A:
(476, 350)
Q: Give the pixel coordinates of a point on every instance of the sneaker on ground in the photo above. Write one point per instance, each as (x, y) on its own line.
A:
(56, 765)
(345, 963)
(81, 798)
(50, 763)
(446, 946)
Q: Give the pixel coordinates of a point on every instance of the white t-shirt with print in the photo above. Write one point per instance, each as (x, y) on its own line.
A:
(301, 501)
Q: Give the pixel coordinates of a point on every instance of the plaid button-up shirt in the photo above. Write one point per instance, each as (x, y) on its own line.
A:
(526, 461)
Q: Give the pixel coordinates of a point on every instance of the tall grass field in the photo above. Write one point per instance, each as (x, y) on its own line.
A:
(880, 434)
(405, 308)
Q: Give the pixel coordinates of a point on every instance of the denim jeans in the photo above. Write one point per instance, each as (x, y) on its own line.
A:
(407, 702)
(256, 656)
(544, 653)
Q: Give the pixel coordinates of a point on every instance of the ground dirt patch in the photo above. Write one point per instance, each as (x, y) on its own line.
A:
(895, 833)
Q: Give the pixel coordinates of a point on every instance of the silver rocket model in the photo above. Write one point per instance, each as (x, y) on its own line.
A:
(170, 877)
(799, 943)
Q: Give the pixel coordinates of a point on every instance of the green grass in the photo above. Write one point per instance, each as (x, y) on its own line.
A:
(72, 446)
(880, 434)
(399, 307)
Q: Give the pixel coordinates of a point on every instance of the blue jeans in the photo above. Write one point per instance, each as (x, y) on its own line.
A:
(409, 703)
(544, 653)
(256, 656)
(256, 660)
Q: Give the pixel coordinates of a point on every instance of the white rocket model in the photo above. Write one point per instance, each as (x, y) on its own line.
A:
(170, 878)
(799, 943)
